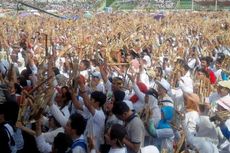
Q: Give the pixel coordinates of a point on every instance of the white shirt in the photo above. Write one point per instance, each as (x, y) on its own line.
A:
(95, 126)
(50, 135)
(117, 150)
(144, 78)
(79, 149)
(192, 119)
(191, 63)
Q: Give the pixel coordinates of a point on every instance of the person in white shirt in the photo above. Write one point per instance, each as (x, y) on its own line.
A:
(96, 84)
(96, 122)
(192, 117)
(84, 67)
(61, 142)
(163, 88)
(115, 137)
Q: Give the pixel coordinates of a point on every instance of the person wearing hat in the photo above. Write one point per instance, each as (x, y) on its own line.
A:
(163, 88)
(191, 101)
(224, 101)
(163, 130)
(96, 84)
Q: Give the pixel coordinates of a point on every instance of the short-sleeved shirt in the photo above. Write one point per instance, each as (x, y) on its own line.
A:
(135, 131)
(95, 127)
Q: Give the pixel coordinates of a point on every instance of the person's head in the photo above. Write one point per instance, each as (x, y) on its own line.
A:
(117, 83)
(201, 72)
(205, 62)
(167, 113)
(159, 72)
(218, 63)
(53, 123)
(224, 88)
(66, 96)
(162, 87)
(116, 134)
(98, 99)
(84, 65)
(62, 143)
(75, 126)
(191, 101)
(121, 110)
(118, 95)
(185, 68)
(96, 77)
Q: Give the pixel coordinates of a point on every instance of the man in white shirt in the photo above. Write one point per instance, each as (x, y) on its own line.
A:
(75, 128)
(96, 84)
(96, 122)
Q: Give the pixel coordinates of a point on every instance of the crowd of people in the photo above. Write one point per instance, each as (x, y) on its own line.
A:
(115, 83)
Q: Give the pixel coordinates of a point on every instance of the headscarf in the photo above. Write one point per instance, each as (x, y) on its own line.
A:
(167, 112)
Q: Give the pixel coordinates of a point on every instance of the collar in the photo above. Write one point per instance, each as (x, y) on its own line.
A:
(79, 138)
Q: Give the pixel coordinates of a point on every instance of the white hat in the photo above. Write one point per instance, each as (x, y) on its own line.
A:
(148, 60)
(164, 84)
(129, 104)
(186, 84)
(224, 102)
(96, 74)
(225, 84)
(149, 149)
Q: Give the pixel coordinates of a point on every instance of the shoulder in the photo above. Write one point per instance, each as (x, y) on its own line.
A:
(79, 149)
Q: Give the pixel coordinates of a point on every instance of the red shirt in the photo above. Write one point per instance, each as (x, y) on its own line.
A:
(212, 76)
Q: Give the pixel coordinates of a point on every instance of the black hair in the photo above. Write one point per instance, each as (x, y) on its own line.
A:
(219, 60)
(99, 97)
(185, 66)
(78, 123)
(57, 124)
(119, 95)
(119, 108)
(56, 70)
(22, 81)
(160, 70)
(202, 70)
(62, 142)
(152, 92)
(18, 88)
(86, 63)
(117, 78)
(11, 109)
(67, 96)
(118, 132)
(208, 60)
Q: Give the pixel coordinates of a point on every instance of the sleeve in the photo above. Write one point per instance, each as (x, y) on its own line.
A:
(58, 115)
(78, 150)
(42, 145)
(151, 129)
(139, 94)
(108, 86)
(49, 136)
(98, 118)
(164, 133)
(192, 63)
(136, 134)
